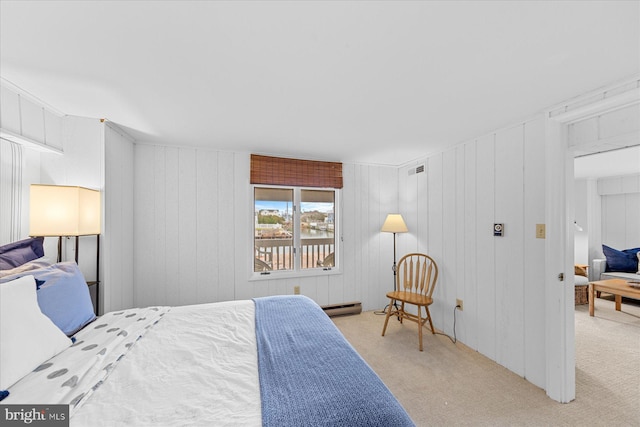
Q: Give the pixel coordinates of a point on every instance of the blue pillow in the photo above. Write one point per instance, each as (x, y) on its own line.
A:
(63, 297)
(17, 253)
(621, 261)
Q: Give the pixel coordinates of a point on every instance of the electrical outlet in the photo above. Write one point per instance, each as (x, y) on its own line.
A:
(459, 304)
(541, 231)
(296, 290)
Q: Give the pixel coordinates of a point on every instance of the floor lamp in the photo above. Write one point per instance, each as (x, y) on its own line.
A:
(66, 211)
(393, 224)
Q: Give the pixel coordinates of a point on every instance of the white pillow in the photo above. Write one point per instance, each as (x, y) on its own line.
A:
(27, 337)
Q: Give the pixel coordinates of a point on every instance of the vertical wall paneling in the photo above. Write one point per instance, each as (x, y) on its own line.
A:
(118, 231)
(619, 199)
(509, 261)
(364, 234)
(408, 198)
(371, 291)
(157, 291)
(436, 232)
(422, 209)
(460, 237)
(349, 247)
(594, 224)
(145, 274)
(11, 185)
(498, 178)
(485, 246)
(172, 186)
(235, 205)
(354, 290)
(614, 218)
(632, 221)
(187, 225)
(388, 203)
(534, 211)
(207, 246)
(448, 261)
(620, 223)
(468, 328)
(581, 215)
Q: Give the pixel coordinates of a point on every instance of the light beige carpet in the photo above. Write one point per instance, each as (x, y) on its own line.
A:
(451, 384)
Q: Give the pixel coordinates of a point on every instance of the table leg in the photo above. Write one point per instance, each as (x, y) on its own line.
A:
(618, 302)
(591, 305)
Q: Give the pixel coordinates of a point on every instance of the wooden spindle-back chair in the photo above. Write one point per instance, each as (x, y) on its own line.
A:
(416, 276)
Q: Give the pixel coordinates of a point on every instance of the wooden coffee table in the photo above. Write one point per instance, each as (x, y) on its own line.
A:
(618, 287)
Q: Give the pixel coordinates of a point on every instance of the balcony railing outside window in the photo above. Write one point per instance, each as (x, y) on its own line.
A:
(278, 253)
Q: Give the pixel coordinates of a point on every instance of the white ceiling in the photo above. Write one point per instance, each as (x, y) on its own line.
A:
(370, 82)
(625, 161)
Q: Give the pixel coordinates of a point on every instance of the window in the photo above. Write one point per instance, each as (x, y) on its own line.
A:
(294, 229)
(296, 219)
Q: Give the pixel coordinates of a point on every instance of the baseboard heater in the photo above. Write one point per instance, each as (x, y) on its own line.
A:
(343, 309)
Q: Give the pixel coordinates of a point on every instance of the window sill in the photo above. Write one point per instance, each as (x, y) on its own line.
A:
(283, 275)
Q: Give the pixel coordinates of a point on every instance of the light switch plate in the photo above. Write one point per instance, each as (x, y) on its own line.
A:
(541, 231)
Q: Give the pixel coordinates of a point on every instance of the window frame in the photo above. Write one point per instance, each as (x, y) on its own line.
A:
(297, 271)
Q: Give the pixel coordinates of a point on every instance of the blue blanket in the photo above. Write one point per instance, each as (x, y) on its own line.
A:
(311, 376)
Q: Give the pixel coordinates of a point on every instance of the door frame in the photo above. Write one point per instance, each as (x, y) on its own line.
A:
(559, 246)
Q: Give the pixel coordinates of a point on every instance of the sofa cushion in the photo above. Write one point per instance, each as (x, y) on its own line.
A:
(625, 261)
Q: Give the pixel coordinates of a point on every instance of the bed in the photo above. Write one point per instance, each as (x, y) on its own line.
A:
(274, 361)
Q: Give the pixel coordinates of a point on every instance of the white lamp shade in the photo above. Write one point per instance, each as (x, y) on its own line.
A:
(394, 224)
(57, 210)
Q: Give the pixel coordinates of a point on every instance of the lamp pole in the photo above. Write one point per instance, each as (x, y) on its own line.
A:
(394, 268)
(393, 224)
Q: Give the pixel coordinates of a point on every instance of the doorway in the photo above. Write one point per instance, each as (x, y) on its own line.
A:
(577, 126)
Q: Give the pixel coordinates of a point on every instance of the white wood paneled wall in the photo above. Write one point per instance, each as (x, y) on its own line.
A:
(117, 235)
(193, 215)
(11, 170)
(450, 211)
(620, 201)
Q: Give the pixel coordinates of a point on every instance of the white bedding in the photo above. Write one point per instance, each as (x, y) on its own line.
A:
(197, 366)
(209, 376)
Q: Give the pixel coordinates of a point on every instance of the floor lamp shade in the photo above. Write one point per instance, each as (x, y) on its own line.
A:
(394, 224)
(57, 210)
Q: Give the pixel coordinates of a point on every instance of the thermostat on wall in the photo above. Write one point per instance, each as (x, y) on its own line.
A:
(498, 229)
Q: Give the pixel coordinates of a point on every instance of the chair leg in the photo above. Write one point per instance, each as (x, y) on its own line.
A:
(433, 331)
(400, 318)
(420, 326)
(386, 319)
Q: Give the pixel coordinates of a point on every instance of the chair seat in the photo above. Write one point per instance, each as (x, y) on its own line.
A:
(410, 297)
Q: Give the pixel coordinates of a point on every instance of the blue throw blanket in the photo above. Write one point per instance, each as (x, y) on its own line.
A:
(311, 376)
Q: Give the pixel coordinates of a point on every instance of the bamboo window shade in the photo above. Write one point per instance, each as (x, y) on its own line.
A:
(302, 173)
